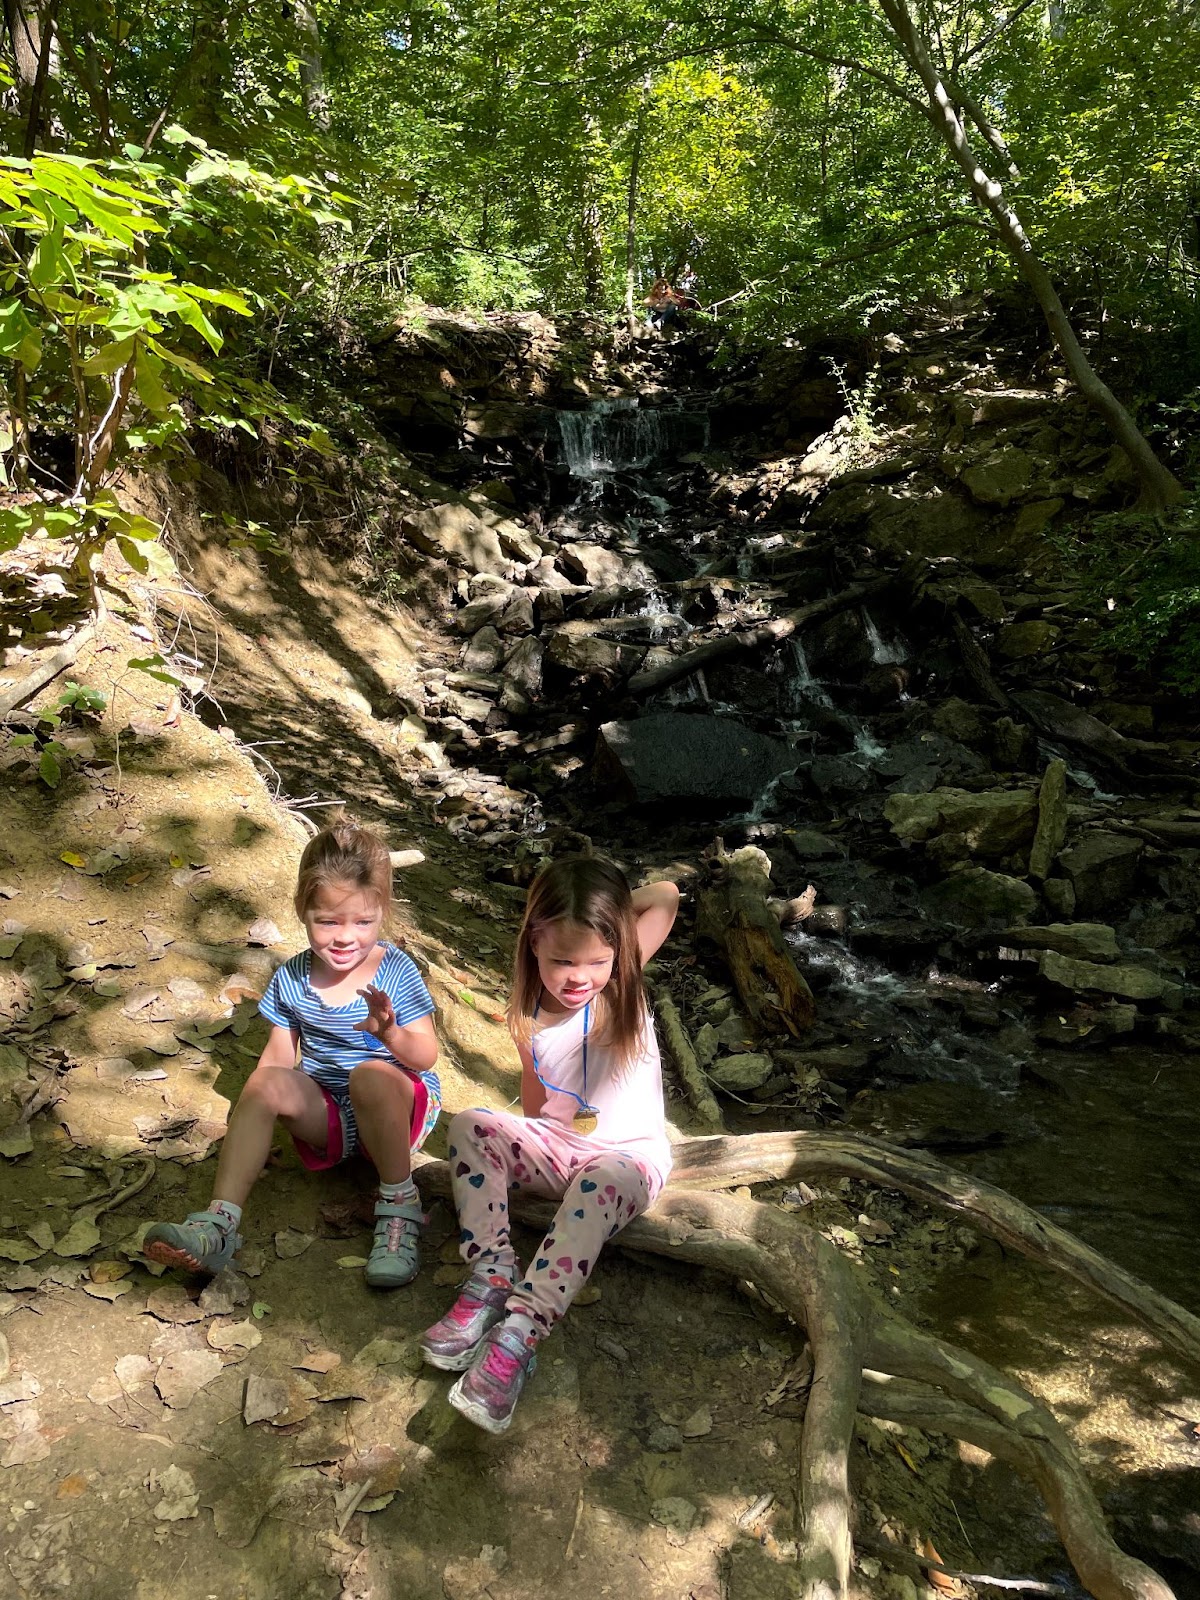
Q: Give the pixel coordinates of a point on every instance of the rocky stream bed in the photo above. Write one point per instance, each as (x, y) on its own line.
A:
(830, 665)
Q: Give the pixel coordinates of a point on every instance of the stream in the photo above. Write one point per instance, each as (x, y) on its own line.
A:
(1099, 1138)
(902, 752)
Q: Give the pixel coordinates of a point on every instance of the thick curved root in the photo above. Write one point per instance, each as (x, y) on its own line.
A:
(866, 1358)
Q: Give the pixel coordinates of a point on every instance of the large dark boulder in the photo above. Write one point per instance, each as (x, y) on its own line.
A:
(676, 756)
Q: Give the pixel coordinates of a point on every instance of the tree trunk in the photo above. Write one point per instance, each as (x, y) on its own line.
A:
(312, 67)
(1160, 487)
(635, 167)
(30, 26)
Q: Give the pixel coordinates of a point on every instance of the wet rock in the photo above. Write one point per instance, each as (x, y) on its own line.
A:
(1014, 745)
(1102, 870)
(839, 777)
(958, 720)
(1124, 982)
(993, 823)
(740, 1074)
(977, 898)
(591, 655)
(1088, 1025)
(806, 844)
(456, 534)
(674, 756)
(1052, 820)
(1025, 639)
(1081, 941)
(1059, 895)
(1160, 930)
(999, 479)
(485, 651)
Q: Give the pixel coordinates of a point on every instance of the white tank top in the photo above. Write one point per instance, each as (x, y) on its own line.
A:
(577, 1071)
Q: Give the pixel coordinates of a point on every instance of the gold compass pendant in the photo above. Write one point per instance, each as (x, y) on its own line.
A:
(584, 1122)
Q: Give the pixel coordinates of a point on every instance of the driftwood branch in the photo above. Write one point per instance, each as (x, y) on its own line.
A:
(732, 913)
(748, 639)
(866, 1357)
(679, 1048)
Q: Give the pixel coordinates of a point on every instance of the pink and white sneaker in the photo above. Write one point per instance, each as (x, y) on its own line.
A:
(452, 1343)
(488, 1392)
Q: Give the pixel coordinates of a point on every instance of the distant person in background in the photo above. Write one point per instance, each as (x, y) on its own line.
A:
(662, 305)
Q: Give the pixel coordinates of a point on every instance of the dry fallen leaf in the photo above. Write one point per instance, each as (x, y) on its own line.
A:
(234, 1335)
(106, 1291)
(184, 1374)
(80, 1239)
(319, 1361)
(938, 1580)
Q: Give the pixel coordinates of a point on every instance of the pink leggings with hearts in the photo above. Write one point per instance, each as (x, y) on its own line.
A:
(492, 1152)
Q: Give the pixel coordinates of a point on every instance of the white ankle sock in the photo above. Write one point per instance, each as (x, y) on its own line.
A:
(403, 1193)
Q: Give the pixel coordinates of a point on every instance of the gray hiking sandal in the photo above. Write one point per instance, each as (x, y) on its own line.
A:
(395, 1257)
(205, 1242)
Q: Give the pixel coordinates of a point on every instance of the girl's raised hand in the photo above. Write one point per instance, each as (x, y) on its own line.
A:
(380, 1015)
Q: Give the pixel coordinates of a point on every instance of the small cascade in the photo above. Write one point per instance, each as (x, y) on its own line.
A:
(803, 689)
(621, 435)
(884, 654)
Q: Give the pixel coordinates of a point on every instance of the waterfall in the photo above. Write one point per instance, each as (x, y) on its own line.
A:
(621, 435)
(883, 654)
(803, 687)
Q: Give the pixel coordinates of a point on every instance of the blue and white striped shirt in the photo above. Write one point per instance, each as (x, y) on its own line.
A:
(330, 1044)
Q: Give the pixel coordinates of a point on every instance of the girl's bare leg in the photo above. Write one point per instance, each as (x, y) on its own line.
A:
(382, 1097)
(271, 1094)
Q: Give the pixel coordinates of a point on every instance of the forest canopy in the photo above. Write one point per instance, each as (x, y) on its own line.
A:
(505, 154)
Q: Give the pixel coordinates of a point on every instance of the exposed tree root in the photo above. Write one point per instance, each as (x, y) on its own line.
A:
(868, 1358)
(45, 667)
(723, 1163)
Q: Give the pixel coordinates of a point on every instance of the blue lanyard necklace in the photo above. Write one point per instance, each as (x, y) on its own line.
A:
(580, 1100)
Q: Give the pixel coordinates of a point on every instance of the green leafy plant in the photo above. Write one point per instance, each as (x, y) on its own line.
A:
(860, 401)
(1142, 573)
(110, 335)
(78, 698)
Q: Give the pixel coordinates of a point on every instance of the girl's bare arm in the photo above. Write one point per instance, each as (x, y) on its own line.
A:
(281, 1047)
(533, 1095)
(655, 905)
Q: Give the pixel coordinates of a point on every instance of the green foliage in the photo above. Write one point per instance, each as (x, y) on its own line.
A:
(1143, 573)
(111, 330)
(77, 698)
(860, 401)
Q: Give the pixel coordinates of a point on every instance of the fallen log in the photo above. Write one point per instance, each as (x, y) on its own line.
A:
(732, 912)
(679, 1048)
(760, 638)
(869, 1359)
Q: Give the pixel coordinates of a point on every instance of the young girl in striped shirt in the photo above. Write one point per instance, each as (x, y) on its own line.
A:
(358, 1013)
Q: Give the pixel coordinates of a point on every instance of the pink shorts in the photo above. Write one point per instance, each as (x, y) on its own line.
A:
(342, 1139)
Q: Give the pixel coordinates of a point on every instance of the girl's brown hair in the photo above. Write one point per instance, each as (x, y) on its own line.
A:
(344, 853)
(592, 894)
